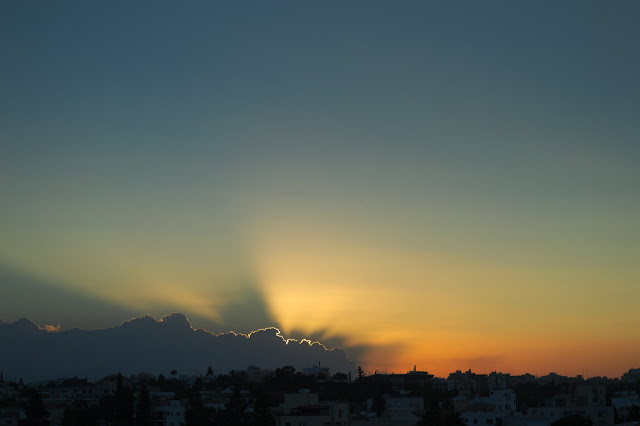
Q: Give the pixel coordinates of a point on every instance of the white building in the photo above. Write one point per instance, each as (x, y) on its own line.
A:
(480, 417)
(316, 371)
(167, 413)
(492, 409)
(599, 416)
(625, 400)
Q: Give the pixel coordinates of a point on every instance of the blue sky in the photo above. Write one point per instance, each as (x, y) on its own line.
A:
(155, 155)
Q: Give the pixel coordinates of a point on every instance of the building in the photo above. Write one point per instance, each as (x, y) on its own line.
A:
(493, 409)
(499, 381)
(11, 415)
(257, 375)
(631, 376)
(167, 413)
(403, 409)
(305, 409)
(468, 382)
(316, 371)
(413, 379)
(622, 402)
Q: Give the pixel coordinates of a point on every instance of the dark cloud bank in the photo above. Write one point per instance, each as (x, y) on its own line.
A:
(146, 345)
(244, 309)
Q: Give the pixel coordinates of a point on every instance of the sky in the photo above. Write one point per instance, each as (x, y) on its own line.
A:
(447, 184)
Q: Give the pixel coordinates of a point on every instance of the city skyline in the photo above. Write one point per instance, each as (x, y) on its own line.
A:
(448, 185)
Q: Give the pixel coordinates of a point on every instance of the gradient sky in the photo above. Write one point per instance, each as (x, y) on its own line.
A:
(448, 184)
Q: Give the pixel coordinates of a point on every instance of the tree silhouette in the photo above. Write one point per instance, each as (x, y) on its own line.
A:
(634, 414)
(123, 404)
(261, 412)
(79, 414)
(209, 371)
(360, 373)
(379, 404)
(284, 379)
(236, 410)
(143, 408)
(34, 409)
(441, 415)
(197, 414)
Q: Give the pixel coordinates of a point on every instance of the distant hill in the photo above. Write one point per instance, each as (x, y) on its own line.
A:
(146, 345)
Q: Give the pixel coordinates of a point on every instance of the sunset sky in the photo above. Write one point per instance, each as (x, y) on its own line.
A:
(450, 184)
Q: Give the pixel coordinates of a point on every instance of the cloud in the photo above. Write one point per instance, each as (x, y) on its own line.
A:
(146, 345)
(359, 353)
(243, 308)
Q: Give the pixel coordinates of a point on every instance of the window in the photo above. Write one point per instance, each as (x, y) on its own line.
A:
(489, 421)
(340, 412)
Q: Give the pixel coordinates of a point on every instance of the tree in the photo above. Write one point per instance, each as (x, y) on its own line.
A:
(79, 414)
(123, 409)
(143, 408)
(261, 411)
(379, 405)
(634, 414)
(34, 409)
(236, 409)
(197, 414)
(209, 371)
(441, 415)
(360, 373)
(283, 379)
